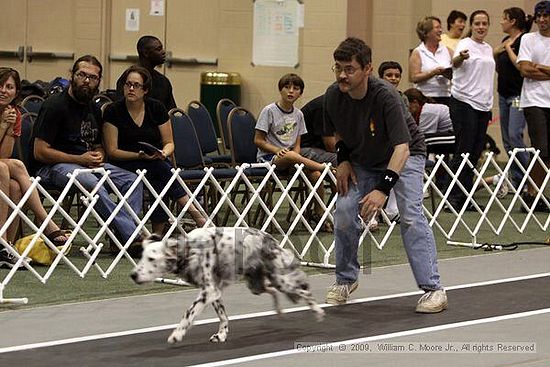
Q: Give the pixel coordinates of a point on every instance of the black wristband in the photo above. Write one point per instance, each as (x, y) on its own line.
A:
(342, 152)
(387, 182)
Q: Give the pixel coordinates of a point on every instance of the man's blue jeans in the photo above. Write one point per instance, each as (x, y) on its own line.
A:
(56, 175)
(512, 126)
(416, 233)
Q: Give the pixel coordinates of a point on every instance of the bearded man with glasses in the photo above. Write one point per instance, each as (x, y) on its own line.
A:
(67, 136)
(379, 148)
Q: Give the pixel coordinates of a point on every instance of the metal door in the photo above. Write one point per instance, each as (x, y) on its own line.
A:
(39, 42)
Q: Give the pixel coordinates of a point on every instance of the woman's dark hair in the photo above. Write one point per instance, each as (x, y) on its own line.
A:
(5, 74)
(388, 65)
(89, 59)
(145, 75)
(425, 26)
(414, 94)
(453, 16)
(523, 22)
(351, 47)
(291, 79)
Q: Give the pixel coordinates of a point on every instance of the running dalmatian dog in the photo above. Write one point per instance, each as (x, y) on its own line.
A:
(213, 258)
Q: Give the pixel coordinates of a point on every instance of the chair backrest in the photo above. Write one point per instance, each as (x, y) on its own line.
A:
(32, 103)
(187, 150)
(203, 126)
(104, 107)
(222, 112)
(242, 124)
(102, 99)
(21, 149)
(440, 143)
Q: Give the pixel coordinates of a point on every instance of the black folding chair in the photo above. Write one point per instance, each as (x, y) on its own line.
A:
(223, 109)
(207, 135)
(32, 103)
(438, 143)
(188, 155)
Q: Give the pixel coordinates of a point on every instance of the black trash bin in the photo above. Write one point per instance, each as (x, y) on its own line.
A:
(217, 85)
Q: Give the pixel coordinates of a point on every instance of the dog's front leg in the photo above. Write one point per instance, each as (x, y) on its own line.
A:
(271, 290)
(288, 285)
(223, 330)
(207, 295)
(308, 297)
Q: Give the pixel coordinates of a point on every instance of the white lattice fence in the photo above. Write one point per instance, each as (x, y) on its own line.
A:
(502, 216)
(266, 202)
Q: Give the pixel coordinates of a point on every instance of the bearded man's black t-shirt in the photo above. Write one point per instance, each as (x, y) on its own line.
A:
(67, 125)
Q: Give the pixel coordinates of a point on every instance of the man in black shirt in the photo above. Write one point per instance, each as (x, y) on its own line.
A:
(151, 54)
(378, 148)
(67, 136)
(316, 144)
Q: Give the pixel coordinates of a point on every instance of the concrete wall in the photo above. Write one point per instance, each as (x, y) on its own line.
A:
(223, 28)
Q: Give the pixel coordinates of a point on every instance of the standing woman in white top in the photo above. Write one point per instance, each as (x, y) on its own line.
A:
(471, 99)
(430, 62)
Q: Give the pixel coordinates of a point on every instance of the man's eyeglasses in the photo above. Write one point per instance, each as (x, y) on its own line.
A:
(131, 85)
(83, 76)
(348, 70)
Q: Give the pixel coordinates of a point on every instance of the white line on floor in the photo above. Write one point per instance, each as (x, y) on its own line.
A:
(51, 343)
(376, 337)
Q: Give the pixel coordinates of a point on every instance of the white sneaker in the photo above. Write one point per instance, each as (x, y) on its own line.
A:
(432, 302)
(338, 294)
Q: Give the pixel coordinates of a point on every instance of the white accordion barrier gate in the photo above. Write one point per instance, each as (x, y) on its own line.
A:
(269, 197)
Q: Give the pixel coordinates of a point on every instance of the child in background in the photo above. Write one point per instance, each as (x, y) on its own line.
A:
(277, 137)
(391, 71)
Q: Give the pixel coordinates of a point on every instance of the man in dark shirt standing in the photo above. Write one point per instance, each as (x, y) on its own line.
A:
(152, 54)
(378, 148)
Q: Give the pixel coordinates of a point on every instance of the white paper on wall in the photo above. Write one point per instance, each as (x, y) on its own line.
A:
(300, 16)
(132, 20)
(275, 38)
(157, 8)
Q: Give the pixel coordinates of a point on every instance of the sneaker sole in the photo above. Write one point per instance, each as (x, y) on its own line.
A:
(9, 265)
(6, 265)
(441, 308)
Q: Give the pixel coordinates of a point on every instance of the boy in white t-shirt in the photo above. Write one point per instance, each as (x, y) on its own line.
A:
(277, 137)
(534, 65)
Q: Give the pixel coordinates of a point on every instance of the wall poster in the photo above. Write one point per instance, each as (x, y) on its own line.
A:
(275, 38)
